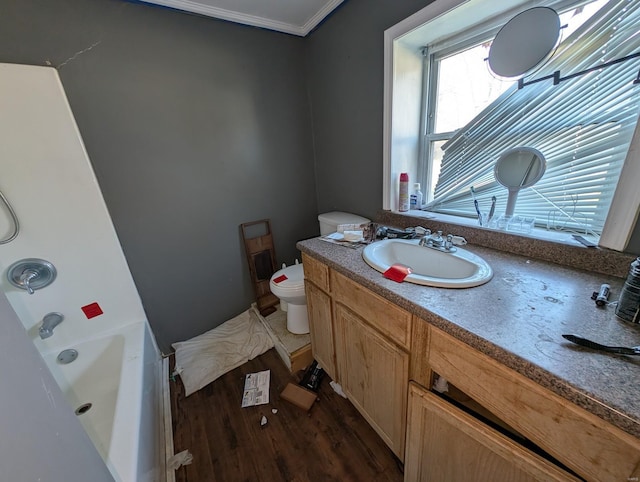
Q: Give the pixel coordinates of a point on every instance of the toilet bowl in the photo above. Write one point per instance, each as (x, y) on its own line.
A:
(288, 285)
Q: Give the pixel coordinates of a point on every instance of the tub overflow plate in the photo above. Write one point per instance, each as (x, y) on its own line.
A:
(67, 356)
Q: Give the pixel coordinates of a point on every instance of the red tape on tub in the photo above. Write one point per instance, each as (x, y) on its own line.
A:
(280, 278)
(92, 310)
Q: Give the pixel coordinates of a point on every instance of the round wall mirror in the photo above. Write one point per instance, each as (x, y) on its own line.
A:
(519, 168)
(524, 43)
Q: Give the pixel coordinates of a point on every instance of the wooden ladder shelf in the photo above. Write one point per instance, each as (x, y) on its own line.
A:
(261, 257)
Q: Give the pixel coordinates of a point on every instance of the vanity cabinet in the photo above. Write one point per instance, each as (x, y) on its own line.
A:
(362, 341)
(493, 424)
(321, 328)
(319, 308)
(577, 439)
(374, 373)
(446, 443)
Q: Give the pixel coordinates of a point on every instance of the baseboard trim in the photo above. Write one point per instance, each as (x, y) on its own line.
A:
(167, 420)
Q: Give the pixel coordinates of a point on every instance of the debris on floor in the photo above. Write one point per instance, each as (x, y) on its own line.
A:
(203, 359)
(337, 388)
(256, 389)
(299, 396)
(182, 458)
(313, 377)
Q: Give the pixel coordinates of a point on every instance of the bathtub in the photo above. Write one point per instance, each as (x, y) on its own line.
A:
(114, 385)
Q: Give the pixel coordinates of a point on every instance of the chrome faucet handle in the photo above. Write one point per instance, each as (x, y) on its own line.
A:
(26, 277)
(437, 240)
(426, 236)
(31, 274)
(448, 244)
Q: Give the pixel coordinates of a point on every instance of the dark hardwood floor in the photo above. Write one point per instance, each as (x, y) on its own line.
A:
(331, 442)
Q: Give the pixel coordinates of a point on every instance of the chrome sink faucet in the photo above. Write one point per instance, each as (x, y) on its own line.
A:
(49, 322)
(436, 241)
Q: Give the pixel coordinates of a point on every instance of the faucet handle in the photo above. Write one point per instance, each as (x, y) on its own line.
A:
(26, 277)
(31, 274)
(448, 243)
(458, 241)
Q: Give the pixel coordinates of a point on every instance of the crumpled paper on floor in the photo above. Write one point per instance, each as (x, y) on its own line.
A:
(183, 458)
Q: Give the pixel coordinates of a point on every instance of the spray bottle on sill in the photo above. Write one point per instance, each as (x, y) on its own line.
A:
(416, 197)
(403, 204)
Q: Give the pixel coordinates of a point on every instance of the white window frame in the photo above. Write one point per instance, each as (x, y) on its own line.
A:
(403, 65)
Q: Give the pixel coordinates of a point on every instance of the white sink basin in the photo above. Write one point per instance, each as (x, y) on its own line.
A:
(430, 267)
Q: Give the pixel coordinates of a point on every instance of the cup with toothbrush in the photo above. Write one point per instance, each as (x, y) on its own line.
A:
(484, 219)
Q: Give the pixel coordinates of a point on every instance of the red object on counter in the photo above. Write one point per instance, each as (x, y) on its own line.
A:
(397, 272)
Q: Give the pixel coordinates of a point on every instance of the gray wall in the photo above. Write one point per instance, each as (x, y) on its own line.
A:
(634, 242)
(345, 69)
(193, 126)
(42, 437)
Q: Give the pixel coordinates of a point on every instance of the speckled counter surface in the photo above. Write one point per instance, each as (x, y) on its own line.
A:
(518, 319)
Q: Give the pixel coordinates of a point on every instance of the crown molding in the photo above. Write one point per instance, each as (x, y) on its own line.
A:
(320, 15)
(246, 19)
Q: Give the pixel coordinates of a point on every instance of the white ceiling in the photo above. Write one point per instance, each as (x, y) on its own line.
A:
(297, 17)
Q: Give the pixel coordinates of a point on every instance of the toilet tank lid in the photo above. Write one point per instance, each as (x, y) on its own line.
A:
(339, 217)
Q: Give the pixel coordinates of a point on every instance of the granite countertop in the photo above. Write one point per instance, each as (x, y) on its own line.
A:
(518, 319)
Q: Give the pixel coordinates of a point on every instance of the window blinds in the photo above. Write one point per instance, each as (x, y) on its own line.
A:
(583, 127)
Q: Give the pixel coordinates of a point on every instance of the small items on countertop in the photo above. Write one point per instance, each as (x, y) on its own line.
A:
(628, 307)
(601, 297)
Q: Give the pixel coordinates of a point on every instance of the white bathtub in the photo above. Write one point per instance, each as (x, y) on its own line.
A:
(119, 374)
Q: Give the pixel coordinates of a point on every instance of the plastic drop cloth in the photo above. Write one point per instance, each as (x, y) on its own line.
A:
(203, 359)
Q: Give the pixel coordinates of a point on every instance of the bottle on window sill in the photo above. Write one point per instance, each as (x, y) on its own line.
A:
(416, 197)
(403, 201)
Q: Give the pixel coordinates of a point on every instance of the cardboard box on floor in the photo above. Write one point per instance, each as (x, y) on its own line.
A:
(299, 396)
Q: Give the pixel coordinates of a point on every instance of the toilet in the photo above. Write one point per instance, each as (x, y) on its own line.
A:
(288, 283)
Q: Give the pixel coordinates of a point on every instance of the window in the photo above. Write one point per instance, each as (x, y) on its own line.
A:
(458, 88)
(583, 125)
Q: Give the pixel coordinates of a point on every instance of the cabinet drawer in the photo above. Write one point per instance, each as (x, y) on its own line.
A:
(587, 444)
(316, 272)
(387, 318)
(445, 443)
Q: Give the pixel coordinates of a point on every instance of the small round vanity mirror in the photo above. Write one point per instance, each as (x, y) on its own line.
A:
(524, 43)
(519, 168)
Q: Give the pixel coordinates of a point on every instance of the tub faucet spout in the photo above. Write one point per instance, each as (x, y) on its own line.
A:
(49, 322)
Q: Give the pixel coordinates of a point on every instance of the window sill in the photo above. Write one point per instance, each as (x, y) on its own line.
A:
(558, 248)
(535, 233)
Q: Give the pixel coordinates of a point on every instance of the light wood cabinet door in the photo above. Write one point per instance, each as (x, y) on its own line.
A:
(374, 374)
(321, 328)
(591, 447)
(445, 443)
